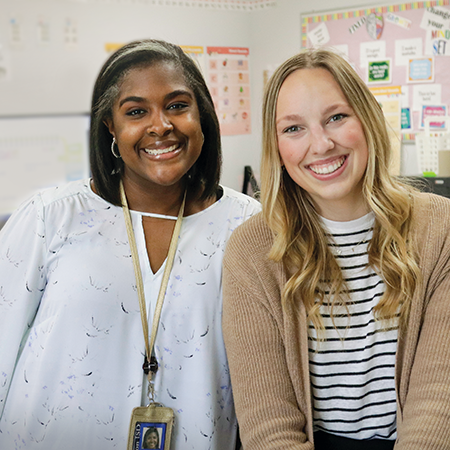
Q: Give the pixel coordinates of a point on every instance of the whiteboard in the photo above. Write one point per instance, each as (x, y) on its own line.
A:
(37, 152)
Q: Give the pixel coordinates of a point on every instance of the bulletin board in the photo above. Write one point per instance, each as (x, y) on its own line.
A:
(403, 48)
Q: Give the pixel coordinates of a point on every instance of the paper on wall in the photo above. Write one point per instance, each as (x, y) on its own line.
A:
(371, 51)
(319, 36)
(437, 42)
(405, 49)
(397, 20)
(435, 18)
(341, 49)
(426, 94)
(405, 96)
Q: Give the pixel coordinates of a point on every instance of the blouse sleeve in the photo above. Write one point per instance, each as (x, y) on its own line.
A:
(22, 282)
(266, 404)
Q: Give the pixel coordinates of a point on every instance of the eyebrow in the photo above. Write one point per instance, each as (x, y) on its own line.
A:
(170, 96)
(327, 110)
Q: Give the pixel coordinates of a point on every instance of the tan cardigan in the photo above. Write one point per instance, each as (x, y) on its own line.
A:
(268, 349)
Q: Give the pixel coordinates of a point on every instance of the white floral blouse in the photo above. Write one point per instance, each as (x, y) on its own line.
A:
(71, 342)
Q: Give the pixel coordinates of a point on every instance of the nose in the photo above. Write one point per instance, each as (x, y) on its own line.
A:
(159, 124)
(320, 141)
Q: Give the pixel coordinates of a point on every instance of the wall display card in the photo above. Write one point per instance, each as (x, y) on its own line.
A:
(406, 119)
(16, 31)
(398, 20)
(437, 42)
(379, 72)
(433, 111)
(390, 101)
(426, 95)
(197, 53)
(406, 49)
(229, 82)
(319, 36)
(111, 47)
(421, 70)
(43, 31)
(70, 33)
(405, 96)
(435, 17)
(372, 51)
(341, 50)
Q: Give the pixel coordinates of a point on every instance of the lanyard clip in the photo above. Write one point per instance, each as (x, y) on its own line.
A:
(151, 366)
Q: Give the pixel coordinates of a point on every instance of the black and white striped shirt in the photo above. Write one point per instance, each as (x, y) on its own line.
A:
(352, 369)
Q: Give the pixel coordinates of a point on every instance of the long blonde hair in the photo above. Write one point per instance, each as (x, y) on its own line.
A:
(299, 239)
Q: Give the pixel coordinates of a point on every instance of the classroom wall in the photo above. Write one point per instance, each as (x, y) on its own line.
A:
(52, 79)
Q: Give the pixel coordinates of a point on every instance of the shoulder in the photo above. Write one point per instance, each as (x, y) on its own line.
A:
(250, 243)
(238, 198)
(430, 213)
(78, 188)
(430, 224)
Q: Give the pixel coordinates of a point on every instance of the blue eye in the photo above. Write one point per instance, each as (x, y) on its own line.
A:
(337, 117)
(291, 129)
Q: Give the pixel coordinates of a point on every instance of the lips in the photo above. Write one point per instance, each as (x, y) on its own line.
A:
(326, 169)
(161, 151)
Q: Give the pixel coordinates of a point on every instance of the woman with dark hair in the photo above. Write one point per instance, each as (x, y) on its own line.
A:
(340, 287)
(72, 369)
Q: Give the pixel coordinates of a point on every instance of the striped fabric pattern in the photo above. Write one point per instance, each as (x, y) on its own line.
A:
(352, 367)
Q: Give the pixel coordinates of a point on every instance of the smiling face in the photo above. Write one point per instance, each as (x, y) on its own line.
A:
(152, 440)
(156, 124)
(322, 143)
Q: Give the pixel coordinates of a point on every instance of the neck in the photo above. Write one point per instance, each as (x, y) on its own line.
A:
(341, 213)
(165, 200)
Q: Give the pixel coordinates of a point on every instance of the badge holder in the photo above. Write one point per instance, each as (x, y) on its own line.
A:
(150, 426)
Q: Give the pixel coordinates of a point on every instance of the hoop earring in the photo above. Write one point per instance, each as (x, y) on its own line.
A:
(117, 155)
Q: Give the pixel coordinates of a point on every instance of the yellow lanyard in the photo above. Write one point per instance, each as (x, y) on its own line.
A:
(150, 365)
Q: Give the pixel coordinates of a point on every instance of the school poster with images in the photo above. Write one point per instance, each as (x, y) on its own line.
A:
(228, 78)
(402, 46)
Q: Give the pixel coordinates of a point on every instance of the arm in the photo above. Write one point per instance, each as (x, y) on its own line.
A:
(425, 371)
(266, 400)
(22, 281)
(426, 414)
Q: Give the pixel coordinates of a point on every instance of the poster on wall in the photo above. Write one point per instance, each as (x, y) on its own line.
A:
(390, 100)
(197, 53)
(405, 44)
(228, 78)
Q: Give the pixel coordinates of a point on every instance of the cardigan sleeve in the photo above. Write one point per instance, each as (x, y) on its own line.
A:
(426, 414)
(266, 404)
(22, 282)
(425, 421)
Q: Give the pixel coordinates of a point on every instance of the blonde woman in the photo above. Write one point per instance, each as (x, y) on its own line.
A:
(336, 311)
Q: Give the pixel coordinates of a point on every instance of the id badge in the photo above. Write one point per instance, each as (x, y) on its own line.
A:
(150, 427)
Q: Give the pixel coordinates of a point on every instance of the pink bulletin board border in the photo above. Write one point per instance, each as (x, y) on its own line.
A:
(317, 18)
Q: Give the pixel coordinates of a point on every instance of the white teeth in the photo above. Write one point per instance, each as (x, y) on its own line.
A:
(325, 170)
(161, 151)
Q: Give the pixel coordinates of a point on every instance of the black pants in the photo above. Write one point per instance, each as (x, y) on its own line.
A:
(327, 441)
